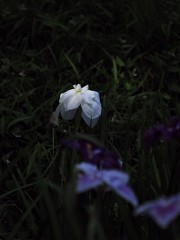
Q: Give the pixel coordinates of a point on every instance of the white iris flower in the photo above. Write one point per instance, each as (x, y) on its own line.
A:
(76, 97)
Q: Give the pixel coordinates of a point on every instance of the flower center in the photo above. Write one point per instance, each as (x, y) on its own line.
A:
(77, 88)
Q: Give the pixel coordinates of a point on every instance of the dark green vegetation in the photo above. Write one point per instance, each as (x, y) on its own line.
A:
(128, 51)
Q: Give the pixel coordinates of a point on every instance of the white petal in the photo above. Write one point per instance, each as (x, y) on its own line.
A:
(91, 95)
(85, 88)
(70, 99)
(96, 96)
(94, 121)
(86, 119)
(64, 97)
(67, 115)
(91, 110)
(73, 102)
(89, 121)
(87, 96)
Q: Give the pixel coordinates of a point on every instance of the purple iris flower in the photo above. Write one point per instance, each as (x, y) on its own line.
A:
(163, 211)
(153, 134)
(91, 177)
(149, 138)
(99, 156)
(166, 132)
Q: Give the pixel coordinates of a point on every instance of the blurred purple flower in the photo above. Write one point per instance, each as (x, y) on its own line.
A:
(91, 153)
(167, 132)
(163, 211)
(153, 134)
(114, 180)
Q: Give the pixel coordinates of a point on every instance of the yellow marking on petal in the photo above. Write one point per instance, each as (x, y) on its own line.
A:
(78, 91)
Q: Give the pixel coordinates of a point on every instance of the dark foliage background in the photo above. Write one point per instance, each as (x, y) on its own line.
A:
(128, 51)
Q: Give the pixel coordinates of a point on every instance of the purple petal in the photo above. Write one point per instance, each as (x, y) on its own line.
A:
(166, 210)
(163, 211)
(117, 180)
(87, 168)
(149, 139)
(153, 134)
(85, 183)
(114, 178)
(168, 132)
(127, 193)
(91, 153)
(143, 208)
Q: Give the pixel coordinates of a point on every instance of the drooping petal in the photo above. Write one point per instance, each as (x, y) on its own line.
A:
(91, 105)
(88, 96)
(96, 96)
(64, 97)
(91, 112)
(163, 210)
(85, 183)
(127, 193)
(90, 178)
(115, 178)
(86, 119)
(93, 122)
(74, 102)
(67, 115)
(70, 99)
(143, 208)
